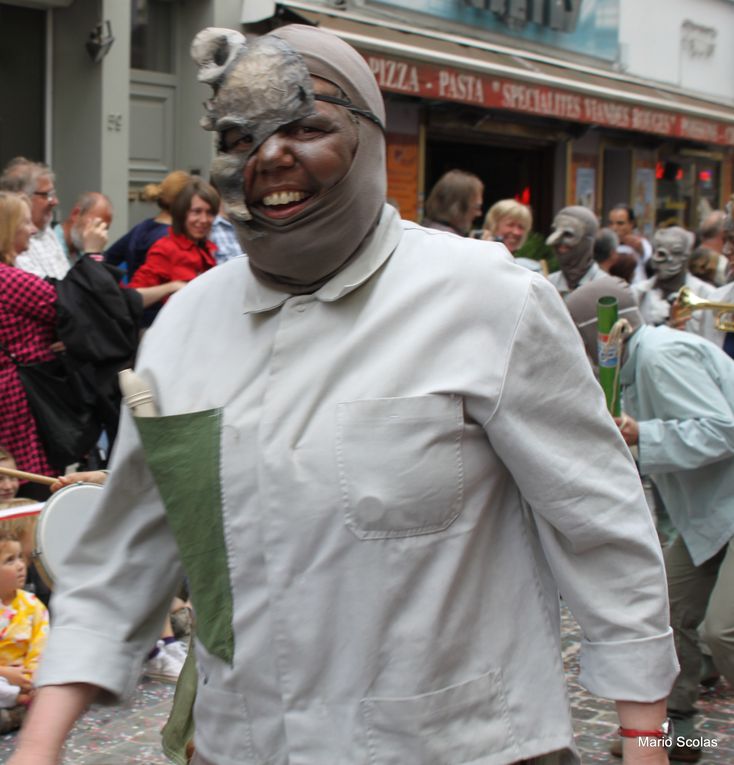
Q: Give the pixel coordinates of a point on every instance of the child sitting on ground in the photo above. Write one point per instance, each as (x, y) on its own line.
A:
(23, 633)
(23, 526)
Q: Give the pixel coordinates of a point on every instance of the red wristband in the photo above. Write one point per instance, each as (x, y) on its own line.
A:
(661, 732)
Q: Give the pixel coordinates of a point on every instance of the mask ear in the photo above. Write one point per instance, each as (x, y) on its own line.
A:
(214, 50)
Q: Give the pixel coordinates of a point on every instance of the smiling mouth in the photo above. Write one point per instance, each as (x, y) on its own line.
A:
(280, 198)
(283, 204)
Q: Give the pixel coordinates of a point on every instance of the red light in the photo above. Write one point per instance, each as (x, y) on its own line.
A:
(679, 174)
(705, 176)
(659, 171)
(523, 196)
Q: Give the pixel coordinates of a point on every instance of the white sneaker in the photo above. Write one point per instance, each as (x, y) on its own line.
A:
(165, 666)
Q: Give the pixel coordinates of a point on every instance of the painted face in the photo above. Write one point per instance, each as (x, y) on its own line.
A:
(672, 247)
(512, 233)
(620, 223)
(296, 165)
(12, 570)
(43, 201)
(24, 232)
(567, 234)
(199, 219)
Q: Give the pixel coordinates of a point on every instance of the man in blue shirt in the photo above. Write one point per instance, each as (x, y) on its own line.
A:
(678, 394)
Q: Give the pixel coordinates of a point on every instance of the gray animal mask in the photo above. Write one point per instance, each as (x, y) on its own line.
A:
(572, 238)
(258, 87)
(261, 87)
(672, 250)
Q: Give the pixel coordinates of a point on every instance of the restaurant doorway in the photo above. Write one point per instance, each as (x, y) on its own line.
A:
(519, 172)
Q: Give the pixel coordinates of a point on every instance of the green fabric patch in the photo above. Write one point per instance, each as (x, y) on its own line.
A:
(179, 729)
(182, 452)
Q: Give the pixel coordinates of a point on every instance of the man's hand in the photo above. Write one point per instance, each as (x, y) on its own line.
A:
(92, 476)
(629, 429)
(635, 242)
(95, 235)
(679, 315)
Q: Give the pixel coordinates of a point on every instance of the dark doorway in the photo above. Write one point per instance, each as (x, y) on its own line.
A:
(22, 70)
(507, 172)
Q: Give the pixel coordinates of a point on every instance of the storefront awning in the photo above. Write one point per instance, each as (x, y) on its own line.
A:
(446, 67)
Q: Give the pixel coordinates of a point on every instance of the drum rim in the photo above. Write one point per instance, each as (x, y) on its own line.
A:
(45, 570)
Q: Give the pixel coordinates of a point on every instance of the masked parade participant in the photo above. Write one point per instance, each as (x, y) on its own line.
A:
(672, 249)
(350, 418)
(679, 411)
(572, 240)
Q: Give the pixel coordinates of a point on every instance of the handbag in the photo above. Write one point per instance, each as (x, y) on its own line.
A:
(64, 419)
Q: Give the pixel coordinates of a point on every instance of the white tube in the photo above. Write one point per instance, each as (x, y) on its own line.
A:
(136, 394)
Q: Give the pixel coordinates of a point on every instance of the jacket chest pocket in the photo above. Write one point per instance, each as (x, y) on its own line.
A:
(400, 467)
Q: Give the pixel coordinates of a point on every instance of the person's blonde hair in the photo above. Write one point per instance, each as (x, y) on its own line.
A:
(11, 215)
(167, 190)
(508, 208)
(5, 454)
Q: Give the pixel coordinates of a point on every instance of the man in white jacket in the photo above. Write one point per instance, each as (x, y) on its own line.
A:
(350, 418)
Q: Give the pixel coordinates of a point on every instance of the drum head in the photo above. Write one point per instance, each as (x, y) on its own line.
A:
(59, 526)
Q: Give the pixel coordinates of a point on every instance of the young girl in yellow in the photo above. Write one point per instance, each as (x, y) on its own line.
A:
(23, 626)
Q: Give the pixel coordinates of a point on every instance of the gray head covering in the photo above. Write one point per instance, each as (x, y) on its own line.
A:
(261, 87)
(582, 303)
(575, 228)
(672, 249)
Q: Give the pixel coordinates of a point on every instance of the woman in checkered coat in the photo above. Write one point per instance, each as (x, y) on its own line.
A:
(27, 321)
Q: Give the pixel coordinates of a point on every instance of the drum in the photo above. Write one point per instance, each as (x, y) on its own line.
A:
(59, 525)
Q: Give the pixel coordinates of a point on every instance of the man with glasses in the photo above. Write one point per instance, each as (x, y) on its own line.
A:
(44, 256)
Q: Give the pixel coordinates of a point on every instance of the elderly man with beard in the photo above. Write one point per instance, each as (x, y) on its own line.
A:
(572, 240)
(672, 249)
(45, 256)
(85, 230)
(678, 394)
(350, 418)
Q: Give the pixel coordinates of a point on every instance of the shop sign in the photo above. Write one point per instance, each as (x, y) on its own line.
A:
(589, 27)
(449, 84)
(517, 13)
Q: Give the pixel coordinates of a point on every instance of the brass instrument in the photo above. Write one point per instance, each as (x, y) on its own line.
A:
(687, 302)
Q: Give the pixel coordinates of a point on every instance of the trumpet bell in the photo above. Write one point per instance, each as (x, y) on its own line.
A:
(688, 302)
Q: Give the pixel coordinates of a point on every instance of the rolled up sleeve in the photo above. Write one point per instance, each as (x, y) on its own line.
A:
(552, 431)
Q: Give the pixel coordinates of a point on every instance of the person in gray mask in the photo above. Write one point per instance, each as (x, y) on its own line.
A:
(672, 249)
(350, 418)
(677, 392)
(572, 240)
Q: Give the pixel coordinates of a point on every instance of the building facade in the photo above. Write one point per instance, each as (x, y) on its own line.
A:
(582, 101)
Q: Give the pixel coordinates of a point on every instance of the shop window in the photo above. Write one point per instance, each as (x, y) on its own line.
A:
(151, 35)
(687, 187)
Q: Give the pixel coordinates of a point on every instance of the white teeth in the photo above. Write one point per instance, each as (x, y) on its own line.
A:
(283, 198)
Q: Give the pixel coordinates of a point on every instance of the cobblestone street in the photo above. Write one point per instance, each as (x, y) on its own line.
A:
(130, 736)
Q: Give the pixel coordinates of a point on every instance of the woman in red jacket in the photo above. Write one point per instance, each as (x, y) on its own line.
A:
(185, 251)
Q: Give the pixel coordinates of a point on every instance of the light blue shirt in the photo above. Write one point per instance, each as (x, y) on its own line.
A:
(680, 388)
(224, 236)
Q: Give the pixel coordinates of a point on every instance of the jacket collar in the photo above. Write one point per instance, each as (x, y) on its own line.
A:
(375, 251)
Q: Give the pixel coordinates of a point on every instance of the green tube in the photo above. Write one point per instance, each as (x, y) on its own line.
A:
(606, 316)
